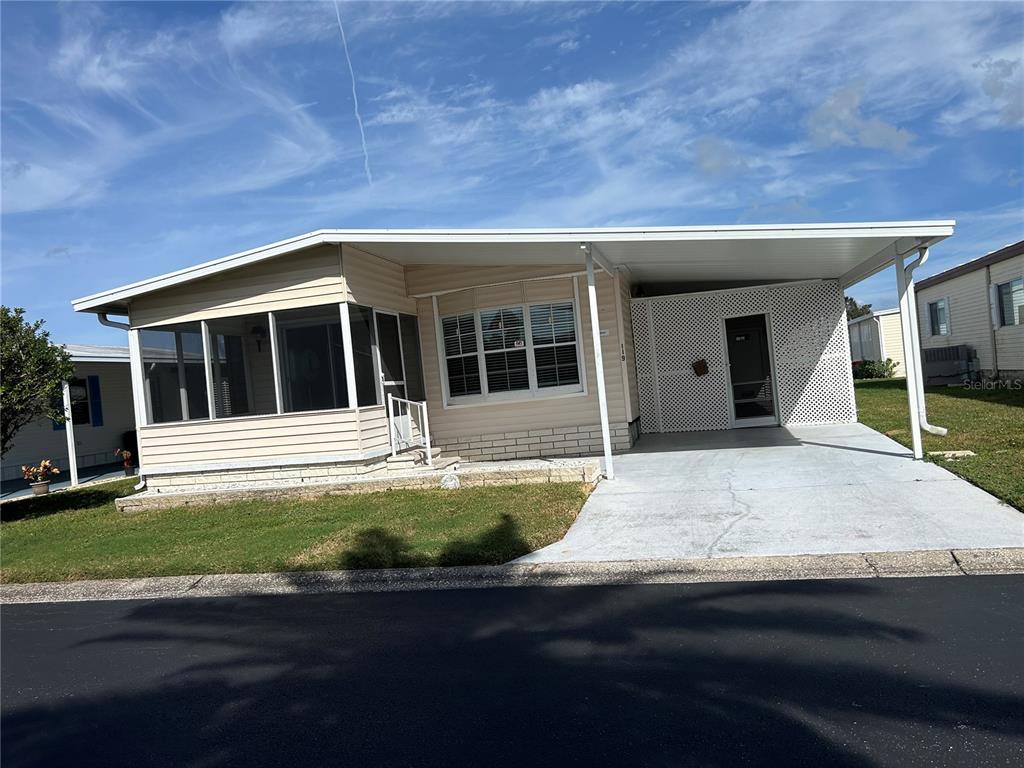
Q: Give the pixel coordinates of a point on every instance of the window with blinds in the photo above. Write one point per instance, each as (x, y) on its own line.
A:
(508, 352)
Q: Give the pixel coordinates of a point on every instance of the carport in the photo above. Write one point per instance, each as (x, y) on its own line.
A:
(780, 491)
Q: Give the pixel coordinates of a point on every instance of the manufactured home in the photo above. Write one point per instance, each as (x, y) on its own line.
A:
(878, 336)
(978, 307)
(101, 418)
(323, 355)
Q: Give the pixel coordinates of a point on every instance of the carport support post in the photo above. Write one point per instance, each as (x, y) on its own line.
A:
(910, 345)
(595, 329)
(69, 432)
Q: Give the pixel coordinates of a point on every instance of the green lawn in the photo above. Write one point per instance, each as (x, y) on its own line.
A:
(79, 535)
(989, 422)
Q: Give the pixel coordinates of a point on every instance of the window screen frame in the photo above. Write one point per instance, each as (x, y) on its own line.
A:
(533, 392)
(1000, 305)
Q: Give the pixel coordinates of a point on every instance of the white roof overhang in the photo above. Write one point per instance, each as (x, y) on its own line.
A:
(769, 253)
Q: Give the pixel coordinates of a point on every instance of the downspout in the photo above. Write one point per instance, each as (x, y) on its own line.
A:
(102, 317)
(993, 311)
(104, 320)
(919, 378)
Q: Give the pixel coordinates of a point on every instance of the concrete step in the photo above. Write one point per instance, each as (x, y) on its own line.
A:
(417, 459)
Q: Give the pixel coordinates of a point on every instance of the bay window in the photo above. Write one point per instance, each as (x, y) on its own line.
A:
(513, 352)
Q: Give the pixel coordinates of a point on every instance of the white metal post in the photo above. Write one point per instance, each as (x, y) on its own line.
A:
(182, 388)
(909, 347)
(426, 435)
(391, 423)
(350, 357)
(602, 397)
(69, 432)
(211, 401)
(275, 357)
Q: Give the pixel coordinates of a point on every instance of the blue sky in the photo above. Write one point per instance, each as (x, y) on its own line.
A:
(140, 138)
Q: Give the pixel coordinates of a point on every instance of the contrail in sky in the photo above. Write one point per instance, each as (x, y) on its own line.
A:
(355, 97)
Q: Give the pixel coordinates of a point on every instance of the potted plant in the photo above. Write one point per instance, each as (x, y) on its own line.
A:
(39, 476)
(126, 457)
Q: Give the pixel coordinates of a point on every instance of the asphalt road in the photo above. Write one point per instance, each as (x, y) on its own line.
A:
(825, 673)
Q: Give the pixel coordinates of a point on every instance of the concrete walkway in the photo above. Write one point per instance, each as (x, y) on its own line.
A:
(774, 491)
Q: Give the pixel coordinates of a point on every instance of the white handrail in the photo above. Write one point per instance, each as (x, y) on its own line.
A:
(407, 441)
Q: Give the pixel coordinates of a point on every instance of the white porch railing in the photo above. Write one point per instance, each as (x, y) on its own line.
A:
(406, 432)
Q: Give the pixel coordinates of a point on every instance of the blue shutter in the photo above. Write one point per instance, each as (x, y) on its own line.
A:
(95, 405)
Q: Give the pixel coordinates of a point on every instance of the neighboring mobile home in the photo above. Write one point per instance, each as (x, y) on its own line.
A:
(100, 401)
(979, 304)
(878, 336)
(277, 364)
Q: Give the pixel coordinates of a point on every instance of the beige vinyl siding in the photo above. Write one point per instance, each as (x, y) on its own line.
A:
(432, 279)
(627, 347)
(1009, 338)
(970, 317)
(892, 341)
(261, 368)
(375, 282)
(303, 279)
(286, 436)
(529, 413)
(94, 445)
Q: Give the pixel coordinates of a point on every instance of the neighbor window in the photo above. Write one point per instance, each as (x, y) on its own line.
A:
(312, 359)
(938, 316)
(1011, 302)
(79, 392)
(512, 351)
(242, 366)
(174, 373)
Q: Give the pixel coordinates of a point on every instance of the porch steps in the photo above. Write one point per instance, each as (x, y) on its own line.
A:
(416, 458)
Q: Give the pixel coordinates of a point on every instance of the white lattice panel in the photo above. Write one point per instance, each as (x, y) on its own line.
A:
(809, 344)
(640, 312)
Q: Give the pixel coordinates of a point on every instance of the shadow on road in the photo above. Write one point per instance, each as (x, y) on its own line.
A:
(653, 675)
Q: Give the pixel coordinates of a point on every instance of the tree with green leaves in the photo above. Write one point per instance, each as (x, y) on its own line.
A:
(853, 309)
(32, 373)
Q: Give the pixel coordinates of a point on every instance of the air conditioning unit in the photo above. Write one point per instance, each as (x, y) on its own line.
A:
(948, 365)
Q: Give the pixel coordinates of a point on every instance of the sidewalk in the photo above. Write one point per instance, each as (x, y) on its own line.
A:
(960, 562)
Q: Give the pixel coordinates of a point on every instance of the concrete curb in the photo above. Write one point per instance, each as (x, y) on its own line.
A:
(959, 562)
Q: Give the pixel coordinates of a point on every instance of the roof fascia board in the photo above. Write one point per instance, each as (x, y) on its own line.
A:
(887, 255)
(919, 229)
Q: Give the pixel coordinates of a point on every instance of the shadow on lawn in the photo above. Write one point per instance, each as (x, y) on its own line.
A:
(805, 673)
(64, 501)
(380, 548)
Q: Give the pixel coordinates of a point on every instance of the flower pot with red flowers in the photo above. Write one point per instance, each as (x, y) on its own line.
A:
(126, 456)
(39, 476)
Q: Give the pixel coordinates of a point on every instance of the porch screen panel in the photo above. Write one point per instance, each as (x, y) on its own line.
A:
(312, 359)
(242, 366)
(174, 373)
(363, 340)
(410, 330)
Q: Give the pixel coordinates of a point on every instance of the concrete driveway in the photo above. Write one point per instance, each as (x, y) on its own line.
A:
(779, 491)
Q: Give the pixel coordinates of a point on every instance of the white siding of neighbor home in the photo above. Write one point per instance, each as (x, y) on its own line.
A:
(892, 341)
(302, 279)
(971, 313)
(530, 413)
(1009, 338)
(970, 317)
(342, 433)
(94, 445)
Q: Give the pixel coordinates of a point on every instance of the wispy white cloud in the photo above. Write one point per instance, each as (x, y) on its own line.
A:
(839, 120)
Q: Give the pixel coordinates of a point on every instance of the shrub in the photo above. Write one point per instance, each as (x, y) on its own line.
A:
(874, 369)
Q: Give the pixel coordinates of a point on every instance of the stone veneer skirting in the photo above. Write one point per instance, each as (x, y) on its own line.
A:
(551, 442)
(256, 477)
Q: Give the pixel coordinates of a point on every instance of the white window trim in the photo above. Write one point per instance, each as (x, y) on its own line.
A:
(533, 393)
